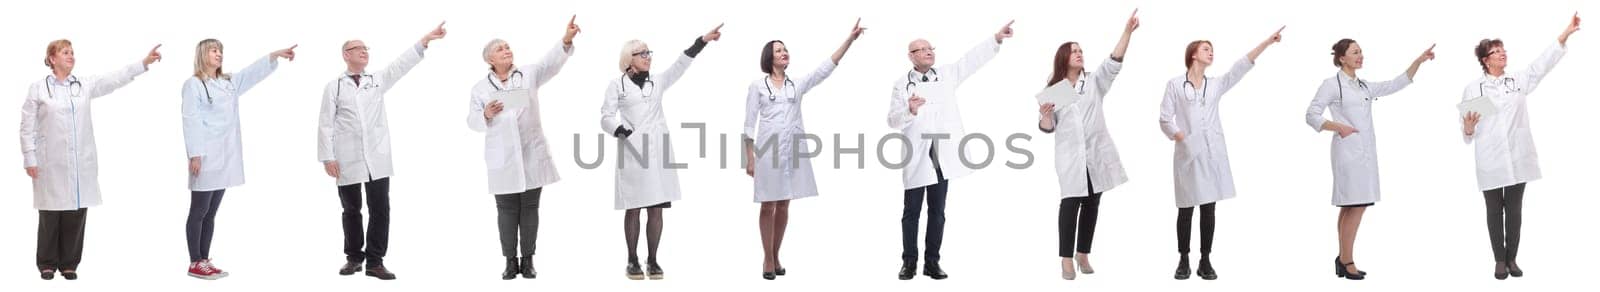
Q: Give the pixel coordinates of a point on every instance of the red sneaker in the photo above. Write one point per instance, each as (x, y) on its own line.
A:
(203, 271)
(220, 272)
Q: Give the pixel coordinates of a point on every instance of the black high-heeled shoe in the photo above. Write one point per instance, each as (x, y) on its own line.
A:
(1206, 272)
(769, 275)
(1514, 269)
(1183, 269)
(781, 271)
(1339, 270)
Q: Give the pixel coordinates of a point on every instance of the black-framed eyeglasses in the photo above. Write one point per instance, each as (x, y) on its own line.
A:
(918, 51)
(356, 48)
(644, 54)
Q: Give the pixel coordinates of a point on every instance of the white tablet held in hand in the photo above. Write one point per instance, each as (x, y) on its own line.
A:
(1481, 105)
(513, 98)
(1061, 94)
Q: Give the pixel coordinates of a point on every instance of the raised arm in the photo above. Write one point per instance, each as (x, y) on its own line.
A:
(104, 84)
(408, 59)
(980, 55)
(253, 74)
(675, 72)
(554, 59)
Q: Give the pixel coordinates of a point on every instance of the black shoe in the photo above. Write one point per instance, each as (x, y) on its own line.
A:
(769, 275)
(780, 271)
(1511, 268)
(511, 269)
(908, 270)
(349, 268)
(527, 268)
(47, 274)
(634, 272)
(654, 272)
(932, 270)
(69, 275)
(1183, 269)
(1339, 270)
(1500, 271)
(1206, 272)
(380, 272)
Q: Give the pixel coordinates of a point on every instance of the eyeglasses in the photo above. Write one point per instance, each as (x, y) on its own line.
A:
(644, 54)
(356, 48)
(918, 51)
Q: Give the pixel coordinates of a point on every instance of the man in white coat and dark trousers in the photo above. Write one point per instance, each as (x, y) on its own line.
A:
(353, 145)
(923, 108)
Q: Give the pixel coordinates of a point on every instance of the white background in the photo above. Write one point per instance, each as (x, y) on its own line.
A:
(281, 230)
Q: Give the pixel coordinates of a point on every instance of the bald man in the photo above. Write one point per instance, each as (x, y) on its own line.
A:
(353, 146)
(923, 108)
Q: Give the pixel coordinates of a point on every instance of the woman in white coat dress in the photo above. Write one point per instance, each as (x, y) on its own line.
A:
(1087, 163)
(59, 153)
(1201, 175)
(633, 113)
(1354, 149)
(211, 137)
(773, 107)
(1504, 151)
(514, 148)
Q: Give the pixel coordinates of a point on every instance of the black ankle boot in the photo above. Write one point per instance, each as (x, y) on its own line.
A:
(1206, 272)
(527, 268)
(1182, 273)
(511, 269)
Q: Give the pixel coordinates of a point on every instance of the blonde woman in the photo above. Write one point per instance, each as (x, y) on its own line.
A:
(211, 137)
(632, 112)
(59, 153)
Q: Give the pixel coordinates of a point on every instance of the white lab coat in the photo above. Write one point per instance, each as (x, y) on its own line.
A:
(211, 125)
(1355, 158)
(1085, 153)
(1201, 173)
(780, 174)
(938, 115)
(353, 126)
(57, 136)
(514, 148)
(1504, 142)
(648, 181)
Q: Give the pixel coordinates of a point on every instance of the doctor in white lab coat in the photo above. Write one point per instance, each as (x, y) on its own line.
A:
(922, 102)
(353, 146)
(1087, 163)
(632, 112)
(1201, 175)
(212, 139)
(59, 153)
(514, 149)
(1355, 147)
(772, 118)
(1503, 141)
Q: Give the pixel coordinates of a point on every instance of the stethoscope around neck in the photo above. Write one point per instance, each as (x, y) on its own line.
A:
(514, 78)
(787, 88)
(644, 89)
(1205, 84)
(1510, 85)
(370, 85)
(73, 87)
(911, 81)
(1359, 82)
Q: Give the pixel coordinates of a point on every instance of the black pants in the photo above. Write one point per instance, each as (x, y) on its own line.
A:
(377, 231)
(1072, 220)
(1504, 207)
(202, 221)
(911, 215)
(60, 239)
(519, 212)
(1208, 228)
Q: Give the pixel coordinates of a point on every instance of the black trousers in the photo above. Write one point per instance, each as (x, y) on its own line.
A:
(1504, 206)
(60, 239)
(911, 216)
(377, 230)
(1078, 215)
(201, 223)
(1208, 227)
(518, 212)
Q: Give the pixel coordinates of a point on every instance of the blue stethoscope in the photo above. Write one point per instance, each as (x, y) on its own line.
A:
(369, 85)
(515, 78)
(1359, 82)
(73, 86)
(787, 88)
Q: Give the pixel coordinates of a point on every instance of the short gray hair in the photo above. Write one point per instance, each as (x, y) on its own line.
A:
(627, 54)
